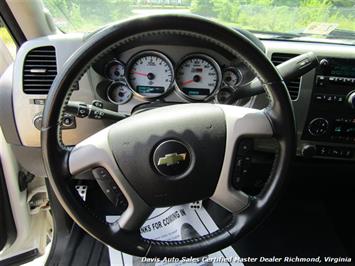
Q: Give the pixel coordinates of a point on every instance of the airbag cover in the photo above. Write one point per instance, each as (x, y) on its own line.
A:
(171, 155)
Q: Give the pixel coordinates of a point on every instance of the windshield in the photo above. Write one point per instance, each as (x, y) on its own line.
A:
(321, 19)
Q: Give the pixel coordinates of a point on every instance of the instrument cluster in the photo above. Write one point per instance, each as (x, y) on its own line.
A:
(151, 75)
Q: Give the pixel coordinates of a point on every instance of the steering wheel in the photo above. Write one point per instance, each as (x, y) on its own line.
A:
(170, 155)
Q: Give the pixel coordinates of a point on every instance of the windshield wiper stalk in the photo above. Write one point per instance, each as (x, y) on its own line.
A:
(289, 69)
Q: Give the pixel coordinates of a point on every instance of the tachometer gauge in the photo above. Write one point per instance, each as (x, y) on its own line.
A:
(198, 76)
(231, 77)
(115, 70)
(119, 93)
(150, 74)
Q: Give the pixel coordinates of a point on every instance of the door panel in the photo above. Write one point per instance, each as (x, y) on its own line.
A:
(31, 228)
(7, 224)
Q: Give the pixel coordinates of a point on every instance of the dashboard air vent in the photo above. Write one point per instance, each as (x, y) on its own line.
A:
(39, 70)
(293, 85)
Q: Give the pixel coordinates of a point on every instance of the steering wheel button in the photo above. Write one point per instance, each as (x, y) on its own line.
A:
(98, 104)
(245, 147)
(101, 173)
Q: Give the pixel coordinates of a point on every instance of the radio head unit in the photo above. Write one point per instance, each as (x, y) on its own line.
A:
(331, 114)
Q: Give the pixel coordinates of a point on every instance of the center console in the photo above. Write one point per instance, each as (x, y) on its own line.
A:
(330, 123)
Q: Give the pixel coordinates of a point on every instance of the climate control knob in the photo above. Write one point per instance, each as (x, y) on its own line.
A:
(309, 151)
(318, 127)
(351, 99)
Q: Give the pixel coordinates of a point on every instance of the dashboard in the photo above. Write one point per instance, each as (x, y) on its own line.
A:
(167, 74)
(151, 75)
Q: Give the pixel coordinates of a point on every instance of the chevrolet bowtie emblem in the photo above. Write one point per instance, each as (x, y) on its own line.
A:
(172, 158)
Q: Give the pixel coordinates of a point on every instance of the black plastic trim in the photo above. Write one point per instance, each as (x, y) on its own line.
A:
(21, 259)
(62, 227)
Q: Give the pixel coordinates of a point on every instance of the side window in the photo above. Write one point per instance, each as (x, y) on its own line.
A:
(7, 47)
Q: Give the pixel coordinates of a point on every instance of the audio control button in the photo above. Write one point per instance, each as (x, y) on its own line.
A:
(329, 99)
(318, 98)
(318, 127)
(321, 81)
(340, 99)
(337, 152)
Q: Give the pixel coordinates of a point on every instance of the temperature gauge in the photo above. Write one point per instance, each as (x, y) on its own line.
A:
(115, 70)
(225, 96)
(119, 93)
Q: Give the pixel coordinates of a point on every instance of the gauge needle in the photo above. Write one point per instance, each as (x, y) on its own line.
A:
(139, 73)
(187, 82)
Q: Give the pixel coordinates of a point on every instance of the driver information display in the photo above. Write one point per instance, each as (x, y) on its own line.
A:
(149, 89)
(196, 91)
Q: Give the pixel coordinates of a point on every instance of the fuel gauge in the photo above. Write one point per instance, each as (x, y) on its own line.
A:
(119, 93)
(115, 70)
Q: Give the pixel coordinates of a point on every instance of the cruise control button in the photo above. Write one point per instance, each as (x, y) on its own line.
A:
(245, 147)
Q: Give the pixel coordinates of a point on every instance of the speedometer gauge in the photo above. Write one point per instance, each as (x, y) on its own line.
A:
(150, 74)
(198, 76)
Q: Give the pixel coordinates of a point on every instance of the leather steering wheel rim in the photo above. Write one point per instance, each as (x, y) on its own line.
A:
(56, 157)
